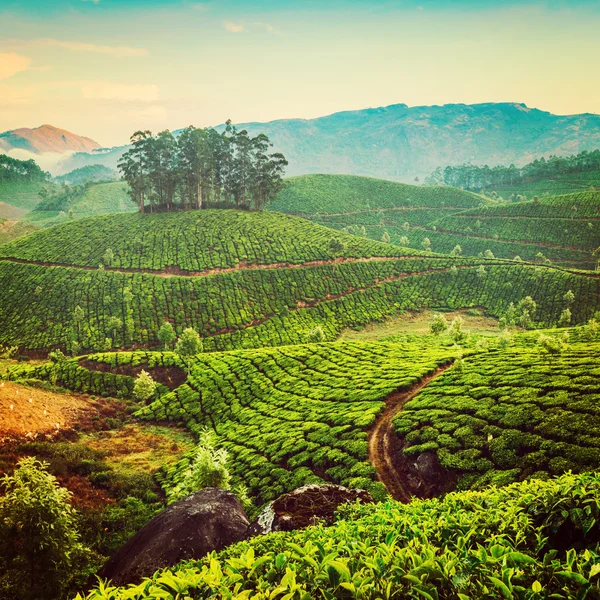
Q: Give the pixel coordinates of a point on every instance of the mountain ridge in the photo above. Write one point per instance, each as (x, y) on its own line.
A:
(400, 143)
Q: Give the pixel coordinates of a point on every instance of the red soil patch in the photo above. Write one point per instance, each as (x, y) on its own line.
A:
(27, 412)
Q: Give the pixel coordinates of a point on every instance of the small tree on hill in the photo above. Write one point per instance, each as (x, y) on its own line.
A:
(481, 272)
(166, 334)
(144, 387)
(41, 551)
(551, 344)
(438, 324)
(316, 335)
(336, 246)
(456, 251)
(569, 298)
(189, 344)
(565, 318)
(426, 244)
(207, 468)
(57, 358)
(385, 238)
(108, 257)
(456, 330)
(114, 324)
(404, 241)
(525, 310)
(78, 317)
(406, 226)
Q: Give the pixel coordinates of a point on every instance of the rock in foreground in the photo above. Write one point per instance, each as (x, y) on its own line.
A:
(305, 506)
(191, 528)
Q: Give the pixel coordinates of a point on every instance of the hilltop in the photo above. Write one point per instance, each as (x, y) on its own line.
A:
(45, 138)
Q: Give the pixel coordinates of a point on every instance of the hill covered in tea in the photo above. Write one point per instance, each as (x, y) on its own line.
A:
(562, 229)
(243, 280)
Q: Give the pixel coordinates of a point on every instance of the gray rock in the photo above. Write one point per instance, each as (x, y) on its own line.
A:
(305, 506)
(189, 529)
(429, 468)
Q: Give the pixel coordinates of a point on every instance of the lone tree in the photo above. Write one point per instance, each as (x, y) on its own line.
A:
(336, 246)
(438, 324)
(113, 324)
(385, 238)
(426, 244)
(316, 335)
(207, 468)
(565, 318)
(57, 358)
(38, 532)
(189, 344)
(144, 387)
(166, 334)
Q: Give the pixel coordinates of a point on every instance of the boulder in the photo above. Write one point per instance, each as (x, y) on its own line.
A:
(305, 506)
(429, 468)
(189, 529)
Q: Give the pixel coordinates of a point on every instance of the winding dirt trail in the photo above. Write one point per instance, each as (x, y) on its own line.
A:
(383, 443)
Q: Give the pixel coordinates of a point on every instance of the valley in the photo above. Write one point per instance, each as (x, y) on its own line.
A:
(236, 341)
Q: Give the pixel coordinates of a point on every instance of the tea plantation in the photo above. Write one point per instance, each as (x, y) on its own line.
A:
(288, 416)
(563, 229)
(510, 414)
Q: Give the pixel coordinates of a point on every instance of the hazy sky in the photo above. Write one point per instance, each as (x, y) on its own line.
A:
(104, 68)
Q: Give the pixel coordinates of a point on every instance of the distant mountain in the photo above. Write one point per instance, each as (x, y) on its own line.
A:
(400, 143)
(46, 138)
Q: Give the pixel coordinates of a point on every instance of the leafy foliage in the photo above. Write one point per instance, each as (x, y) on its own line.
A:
(511, 413)
(498, 543)
(38, 532)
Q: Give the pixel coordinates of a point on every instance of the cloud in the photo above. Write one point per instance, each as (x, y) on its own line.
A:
(126, 92)
(48, 161)
(11, 64)
(233, 27)
(96, 48)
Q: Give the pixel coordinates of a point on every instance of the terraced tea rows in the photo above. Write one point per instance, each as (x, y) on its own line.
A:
(331, 194)
(510, 414)
(563, 229)
(191, 241)
(567, 221)
(266, 307)
(506, 542)
(288, 416)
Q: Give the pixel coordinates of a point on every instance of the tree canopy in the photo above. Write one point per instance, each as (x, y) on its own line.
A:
(476, 178)
(201, 168)
(12, 169)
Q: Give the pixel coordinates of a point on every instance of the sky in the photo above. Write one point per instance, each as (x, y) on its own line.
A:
(105, 68)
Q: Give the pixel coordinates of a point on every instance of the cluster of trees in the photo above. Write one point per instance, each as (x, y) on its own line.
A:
(202, 168)
(12, 169)
(475, 178)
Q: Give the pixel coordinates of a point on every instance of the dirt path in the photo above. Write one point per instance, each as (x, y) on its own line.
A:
(383, 442)
(242, 266)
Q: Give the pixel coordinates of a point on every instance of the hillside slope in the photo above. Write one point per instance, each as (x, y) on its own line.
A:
(84, 200)
(242, 280)
(45, 138)
(449, 217)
